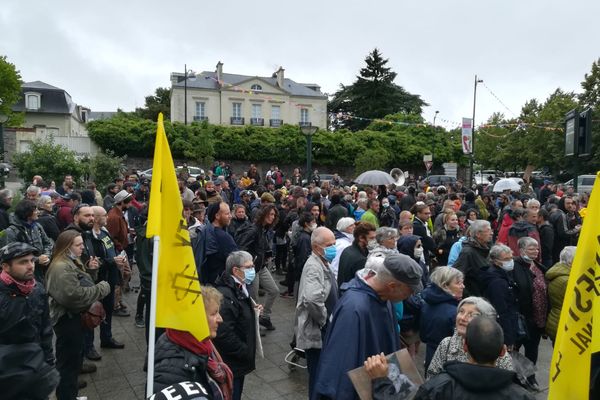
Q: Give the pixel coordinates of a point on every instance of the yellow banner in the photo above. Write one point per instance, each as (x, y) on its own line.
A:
(571, 368)
(179, 302)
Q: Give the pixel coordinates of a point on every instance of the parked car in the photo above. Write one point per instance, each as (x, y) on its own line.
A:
(194, 171)
(437, 180)
(485, 177)
(324, 178)
(584, 183)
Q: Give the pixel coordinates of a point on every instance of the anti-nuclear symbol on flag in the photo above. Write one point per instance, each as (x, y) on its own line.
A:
(182, 283)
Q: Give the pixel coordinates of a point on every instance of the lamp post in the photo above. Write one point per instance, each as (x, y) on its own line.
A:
(189, 74)
(435, 116)
(308, 131)
(473, 131)
(433, 141)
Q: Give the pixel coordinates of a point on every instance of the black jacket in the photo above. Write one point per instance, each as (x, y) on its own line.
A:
(427, 241)
(174, 364)
(546, 244)
(236, 336)
(4, 216)
(472, 258)
(302, 251)
(500, 289)
(49, 223)
(253, 239)
(468, 381)
(523, 277)
(25, 319)
(353, 258)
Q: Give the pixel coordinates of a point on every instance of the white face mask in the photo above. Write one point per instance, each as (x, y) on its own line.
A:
(418, 252)
(372, 244)
(526, 258)
(312, 227)
(349, 235)
(508, 265)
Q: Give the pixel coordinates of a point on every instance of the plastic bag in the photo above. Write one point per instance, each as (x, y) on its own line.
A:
(523, 366)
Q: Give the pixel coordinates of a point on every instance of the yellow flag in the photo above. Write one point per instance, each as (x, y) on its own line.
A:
(571, 368)
(179, 302)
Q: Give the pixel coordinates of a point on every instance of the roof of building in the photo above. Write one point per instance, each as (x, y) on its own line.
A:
(208, 80)
(53, 100)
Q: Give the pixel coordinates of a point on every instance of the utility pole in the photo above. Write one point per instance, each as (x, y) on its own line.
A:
(473, 132)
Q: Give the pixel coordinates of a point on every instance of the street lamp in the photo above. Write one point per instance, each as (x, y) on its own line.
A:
(308, 131)
(433, 140)
(188, 74)
(473, 131)
(435, 116)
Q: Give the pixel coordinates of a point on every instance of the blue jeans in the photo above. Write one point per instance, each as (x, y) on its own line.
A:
(238, 387)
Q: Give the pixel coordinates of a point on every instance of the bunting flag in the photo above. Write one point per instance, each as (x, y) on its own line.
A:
(179, 302)
(575, 367)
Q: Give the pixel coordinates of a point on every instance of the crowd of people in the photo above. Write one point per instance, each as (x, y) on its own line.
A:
(472, 275)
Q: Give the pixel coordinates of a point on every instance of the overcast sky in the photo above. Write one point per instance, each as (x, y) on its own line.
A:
(111, 54)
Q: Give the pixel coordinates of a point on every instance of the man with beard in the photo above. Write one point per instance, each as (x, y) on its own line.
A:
(185, 192)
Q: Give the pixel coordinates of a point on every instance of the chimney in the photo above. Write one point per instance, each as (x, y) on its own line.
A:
(279, 75)
(219, 71)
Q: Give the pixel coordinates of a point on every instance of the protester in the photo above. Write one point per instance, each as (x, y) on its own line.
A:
(440, 298)
(72, 291)
(354, 257)
(478, 377)
(473, 255)
(26, 355)
(236, 335)
(367, 302)
(558, 277)
(451, 348)
(181, 357)
(317, 296)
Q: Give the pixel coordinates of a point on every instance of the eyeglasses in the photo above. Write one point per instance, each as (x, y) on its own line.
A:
(470, 315)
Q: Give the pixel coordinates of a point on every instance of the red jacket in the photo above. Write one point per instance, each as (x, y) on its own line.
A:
(117, 227)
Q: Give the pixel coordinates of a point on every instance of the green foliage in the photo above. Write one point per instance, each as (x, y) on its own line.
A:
(10, 92)
(373, 95)
(396, 144)
(104, 167)
(160, 102)
(371, 159)
(49, 160)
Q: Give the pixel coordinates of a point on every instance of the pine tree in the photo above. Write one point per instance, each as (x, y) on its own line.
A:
(373, 95)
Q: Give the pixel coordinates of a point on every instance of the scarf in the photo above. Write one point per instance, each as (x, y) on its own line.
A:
(216, 368)
(24, 287)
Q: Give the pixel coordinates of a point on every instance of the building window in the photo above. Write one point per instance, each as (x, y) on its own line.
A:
(256, 111)
(33, 102)
(256, 88)
(237, 110)
(275, 112)
(200, 111)
(304, 116)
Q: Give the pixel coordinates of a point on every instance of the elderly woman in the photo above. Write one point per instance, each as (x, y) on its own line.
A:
(499, 288)
(438, 313)
(386, 238)
(451, 348)
(557, 277)
(181, 357)
(532, 297)
(46, 217)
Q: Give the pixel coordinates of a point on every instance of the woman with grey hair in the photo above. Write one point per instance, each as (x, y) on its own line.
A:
(439, 308)
(451, 348)
(558, 277)
(386, 239)
(532, 298)
(499, 288)
(46, 218)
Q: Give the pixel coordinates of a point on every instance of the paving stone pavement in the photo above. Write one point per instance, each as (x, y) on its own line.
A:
(120, 375)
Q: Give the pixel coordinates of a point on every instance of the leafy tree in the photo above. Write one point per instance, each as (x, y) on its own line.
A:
(371, 159)
(10, 92)
(104, 167)
(51, 161)
(373, 95)
(160, 102)
(591, 98)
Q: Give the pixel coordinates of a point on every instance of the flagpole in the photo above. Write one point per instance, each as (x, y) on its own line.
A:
(152, 328)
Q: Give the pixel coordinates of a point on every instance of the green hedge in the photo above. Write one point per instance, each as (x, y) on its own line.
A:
(386, 144)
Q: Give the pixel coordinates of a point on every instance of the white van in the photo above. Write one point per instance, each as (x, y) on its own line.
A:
(584, 183)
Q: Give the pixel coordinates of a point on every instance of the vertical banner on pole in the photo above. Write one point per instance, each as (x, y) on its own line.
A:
(467, 135)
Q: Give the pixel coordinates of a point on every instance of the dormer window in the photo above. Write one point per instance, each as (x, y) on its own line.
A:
(256, 88)
(32, 101)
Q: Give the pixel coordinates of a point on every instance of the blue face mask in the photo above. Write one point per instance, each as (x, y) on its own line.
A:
(329, 253)
(249, 275)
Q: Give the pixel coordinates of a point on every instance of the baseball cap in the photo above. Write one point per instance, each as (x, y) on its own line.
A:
(17, 249)
(405, 269)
